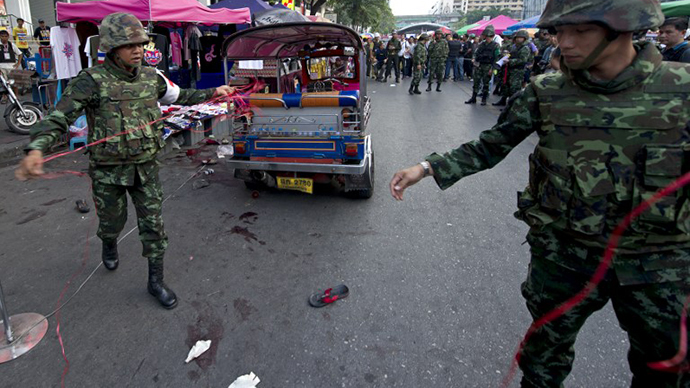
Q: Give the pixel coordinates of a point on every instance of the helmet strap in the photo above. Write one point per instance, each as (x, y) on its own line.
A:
(610, 37)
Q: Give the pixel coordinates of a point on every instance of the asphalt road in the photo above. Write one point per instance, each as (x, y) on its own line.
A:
(434, 280)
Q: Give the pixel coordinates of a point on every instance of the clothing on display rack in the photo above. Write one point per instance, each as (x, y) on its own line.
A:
(176, 48)
(157, 53)
(211, 61)
(65, 48)
(91, 49)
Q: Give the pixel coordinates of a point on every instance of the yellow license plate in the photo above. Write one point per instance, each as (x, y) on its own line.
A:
(304, 185)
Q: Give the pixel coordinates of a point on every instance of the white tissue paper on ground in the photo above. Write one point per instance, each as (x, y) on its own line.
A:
(198, 349)
(246, 381)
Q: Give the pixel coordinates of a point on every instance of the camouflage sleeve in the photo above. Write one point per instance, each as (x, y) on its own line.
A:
(187, 96)
(445, 49)
(79, 93)
(521, 59)
(517, 122)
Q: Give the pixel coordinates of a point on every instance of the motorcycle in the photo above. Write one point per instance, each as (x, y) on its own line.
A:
(19, 116)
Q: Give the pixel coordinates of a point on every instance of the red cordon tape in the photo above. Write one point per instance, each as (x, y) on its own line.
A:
(240, 99)
(670, 365)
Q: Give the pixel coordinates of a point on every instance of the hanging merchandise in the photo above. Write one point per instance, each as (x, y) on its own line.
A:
(65, 47)
(156, 53)
(92, 51)
(176, 48)
(192, 50)
(210, 54)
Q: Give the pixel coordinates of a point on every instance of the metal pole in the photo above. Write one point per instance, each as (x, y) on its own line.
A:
(5, 317)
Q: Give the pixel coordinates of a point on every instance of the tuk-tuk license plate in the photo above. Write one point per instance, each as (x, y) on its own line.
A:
(304, 185)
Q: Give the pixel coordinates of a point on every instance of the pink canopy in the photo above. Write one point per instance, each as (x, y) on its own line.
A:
(184, 11)
(500, 23)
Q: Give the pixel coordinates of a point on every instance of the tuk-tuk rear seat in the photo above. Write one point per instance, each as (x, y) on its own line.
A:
(305, 100)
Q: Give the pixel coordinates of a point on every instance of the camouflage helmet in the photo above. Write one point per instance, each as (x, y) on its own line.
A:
(119, 29)
(489, 30)
(521, 34)
(617, 15)
(423, 37)
(440, 33)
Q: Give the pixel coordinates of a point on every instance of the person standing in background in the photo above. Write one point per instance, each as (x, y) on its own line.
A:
(42, 33)
(393, 61)
(454, 51)
(671, 34)
(21, 38)
(438, 53)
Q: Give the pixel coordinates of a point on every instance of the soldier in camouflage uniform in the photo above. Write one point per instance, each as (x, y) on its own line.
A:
(612, 131)
(120, 96)
(393, 47)
(438, 53)
(519, 58)
(485, 56)
(418, 61)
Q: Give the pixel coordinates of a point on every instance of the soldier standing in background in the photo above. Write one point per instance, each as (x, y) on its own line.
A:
(438, 53)
(519, 58)
(393, 47)
(485, 56)
(596, 159)
(120, 96)
(418, 61)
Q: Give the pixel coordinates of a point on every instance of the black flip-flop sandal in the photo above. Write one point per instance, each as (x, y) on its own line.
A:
(329, 296)
(82, 206)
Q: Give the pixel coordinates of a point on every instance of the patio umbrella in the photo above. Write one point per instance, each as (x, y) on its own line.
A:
(676, 8)
(276, 16)
(468, 27)
(527, 23)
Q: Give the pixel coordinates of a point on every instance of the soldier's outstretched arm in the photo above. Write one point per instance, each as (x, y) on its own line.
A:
(518, 120)
(80, 93)
(170, 93)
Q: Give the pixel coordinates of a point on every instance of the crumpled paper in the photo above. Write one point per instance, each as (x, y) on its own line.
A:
(198, 349)
(246, 381)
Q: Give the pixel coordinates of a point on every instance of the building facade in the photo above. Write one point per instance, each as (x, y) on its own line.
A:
(533, 8)
(464, 6)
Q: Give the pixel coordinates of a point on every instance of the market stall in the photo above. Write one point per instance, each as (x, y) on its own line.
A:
(500, 23)
(676, 8)
(525, 24)
(177, 47)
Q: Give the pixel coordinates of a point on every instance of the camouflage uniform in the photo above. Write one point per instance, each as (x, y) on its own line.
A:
(438, 53)
(604, 147)
(393, 47)
(519, 58)
(485, 56)
(418, 59)
(116, 101)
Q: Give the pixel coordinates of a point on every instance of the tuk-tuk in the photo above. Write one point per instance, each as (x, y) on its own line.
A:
(308, 124)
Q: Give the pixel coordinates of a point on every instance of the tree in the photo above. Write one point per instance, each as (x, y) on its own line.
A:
(362, 14)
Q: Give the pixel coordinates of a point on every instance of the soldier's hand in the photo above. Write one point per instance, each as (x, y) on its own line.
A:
(31, 166)
(223, 90)
(404, 179)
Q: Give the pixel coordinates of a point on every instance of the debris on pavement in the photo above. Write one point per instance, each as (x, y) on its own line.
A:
(82, 206)
(198, 349)
(200, 184)
(331, 295)
(224, 150)
(246, 381)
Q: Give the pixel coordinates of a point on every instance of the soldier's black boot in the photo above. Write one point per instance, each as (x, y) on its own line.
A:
(483, 100)
(501, 102)
(438, 87)
(472, 100)
(157, 287)
(411, 91)
(416, 90)
(109, 255)
(428, 88)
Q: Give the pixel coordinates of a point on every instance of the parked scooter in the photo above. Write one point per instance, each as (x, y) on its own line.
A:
(19, 116)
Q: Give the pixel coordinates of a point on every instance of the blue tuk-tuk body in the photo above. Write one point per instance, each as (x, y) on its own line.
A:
(308, 123)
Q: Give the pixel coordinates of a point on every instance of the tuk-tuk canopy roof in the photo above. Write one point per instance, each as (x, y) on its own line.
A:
(287, 39)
